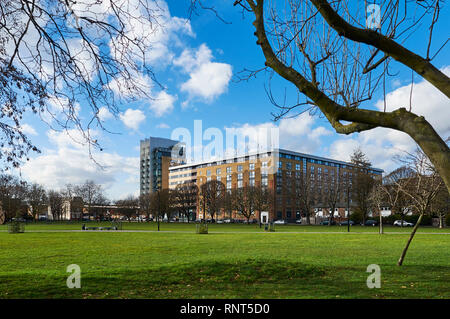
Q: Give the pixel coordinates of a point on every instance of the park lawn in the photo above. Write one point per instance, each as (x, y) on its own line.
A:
(222, 265)
(190, 227)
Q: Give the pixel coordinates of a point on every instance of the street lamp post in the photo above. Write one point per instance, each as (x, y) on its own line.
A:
(348, 207)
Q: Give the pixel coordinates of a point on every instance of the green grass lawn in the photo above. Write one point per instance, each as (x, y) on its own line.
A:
(233, 261)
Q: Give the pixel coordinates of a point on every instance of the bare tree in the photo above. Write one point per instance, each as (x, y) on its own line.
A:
(161, 203)
(37, 198)
(362, 182)
(441, 205)
(393, 185)
(332, 194)
(377, 199)
(264, 198)
(91, 193)
(55, 53)
(55, 201)
(144, 204)
(245, 199)
(186, 198)
(338, 62)
(211, 197)
(228, 203)
(12, 195)
(128, 206)
(302, 193)
(422, 185)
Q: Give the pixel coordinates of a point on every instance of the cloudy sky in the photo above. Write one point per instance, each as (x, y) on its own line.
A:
(197, 60)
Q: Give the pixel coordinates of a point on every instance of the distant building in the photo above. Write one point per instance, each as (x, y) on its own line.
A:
(272, 169)
(156, 157)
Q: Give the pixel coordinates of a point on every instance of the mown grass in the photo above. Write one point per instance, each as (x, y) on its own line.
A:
(222, 265)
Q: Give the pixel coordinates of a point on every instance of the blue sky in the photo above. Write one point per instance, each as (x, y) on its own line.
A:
(206, 48)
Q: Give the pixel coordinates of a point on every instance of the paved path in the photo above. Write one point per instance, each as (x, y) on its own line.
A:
(217, 232)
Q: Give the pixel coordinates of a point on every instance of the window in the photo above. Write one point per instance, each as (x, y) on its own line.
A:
(239, 176)
(252, 182)
(228, 185)
(229, 169)
(239, 184)
(239, 168)
(208, 172)
(208, 179)
(288, 166)
(229, 177)
(219, 178)
(252, 174)
(264, 181)
(252, 166)
(297, 167)
(280, 164)
(218, 171)
(264, 164)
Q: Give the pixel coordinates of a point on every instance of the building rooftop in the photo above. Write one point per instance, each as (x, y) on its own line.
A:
(282, 152)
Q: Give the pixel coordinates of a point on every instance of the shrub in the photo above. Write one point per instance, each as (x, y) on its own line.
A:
(201, 228)
(15, 227)
(356, 216)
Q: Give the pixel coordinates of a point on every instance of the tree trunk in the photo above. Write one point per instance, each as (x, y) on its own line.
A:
(441, 222)
(381, 223)
(402, 257)
(157, 220)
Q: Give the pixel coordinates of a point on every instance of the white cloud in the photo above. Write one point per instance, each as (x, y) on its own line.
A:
(381, 145)
(426, 101)
(207, 80)
(157, 34)
(28, 129)
(132, 118)
(137, 85)
(69, 162)
(297, 133)
(163, 125)
(162, 104)
(104, 114)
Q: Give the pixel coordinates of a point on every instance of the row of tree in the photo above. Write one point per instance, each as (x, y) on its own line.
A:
(19, 198)
(212, 198)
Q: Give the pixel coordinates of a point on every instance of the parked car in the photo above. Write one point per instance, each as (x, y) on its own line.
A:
(227, 221)
(219, 221)
(371, 222)
(405, 223)
(346, 222)
(298, 221)
(280, 222)
(325, 222)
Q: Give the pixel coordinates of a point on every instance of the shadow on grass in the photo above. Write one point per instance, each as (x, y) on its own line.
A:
(249, 278)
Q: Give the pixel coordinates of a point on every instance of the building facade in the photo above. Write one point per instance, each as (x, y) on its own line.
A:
(155, 159)
(278, 170)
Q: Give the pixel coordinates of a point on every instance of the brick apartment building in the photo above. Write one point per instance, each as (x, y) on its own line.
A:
(275, 169)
